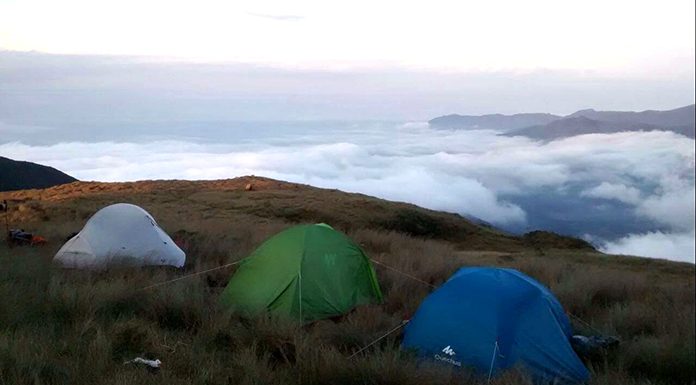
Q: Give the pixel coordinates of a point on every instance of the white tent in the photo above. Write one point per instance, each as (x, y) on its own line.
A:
(120, 234)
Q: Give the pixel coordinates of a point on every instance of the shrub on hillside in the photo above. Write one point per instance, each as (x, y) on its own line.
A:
(550, 240)
(417, 224)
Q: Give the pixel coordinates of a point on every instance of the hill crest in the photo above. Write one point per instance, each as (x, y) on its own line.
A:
(262, 200)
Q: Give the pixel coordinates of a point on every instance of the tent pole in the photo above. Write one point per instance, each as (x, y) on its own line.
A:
(300, 296)
(299, 355)
(7, 220)
(490, 371)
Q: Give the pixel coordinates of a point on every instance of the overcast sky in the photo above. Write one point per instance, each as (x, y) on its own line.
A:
(357, 59)
(628, 38)
(55, 90)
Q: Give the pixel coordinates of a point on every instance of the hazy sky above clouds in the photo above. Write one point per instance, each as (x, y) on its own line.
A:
(52, 89)
(311, 60)
(620, 37)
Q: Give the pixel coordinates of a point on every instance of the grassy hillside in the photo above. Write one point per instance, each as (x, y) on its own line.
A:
(73, 327)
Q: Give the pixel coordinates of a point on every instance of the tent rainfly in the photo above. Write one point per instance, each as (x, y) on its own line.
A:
(307, 272)
(120, 234)
(493, 319)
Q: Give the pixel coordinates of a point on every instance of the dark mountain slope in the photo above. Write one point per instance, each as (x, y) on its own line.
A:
(19, 175)
(683, 116)
(580, 125)
(550, 127)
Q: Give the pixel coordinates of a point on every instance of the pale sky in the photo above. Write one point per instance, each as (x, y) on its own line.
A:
(647, 39)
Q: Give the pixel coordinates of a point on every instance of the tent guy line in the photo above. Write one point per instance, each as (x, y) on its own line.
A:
(403, 273)
(237, 262)
(190, 275)
(585, 323)
(402, 324)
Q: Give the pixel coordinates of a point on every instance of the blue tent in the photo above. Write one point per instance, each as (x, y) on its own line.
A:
(491, 319)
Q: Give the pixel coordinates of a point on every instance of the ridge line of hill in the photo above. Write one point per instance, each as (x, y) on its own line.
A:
(260, 198)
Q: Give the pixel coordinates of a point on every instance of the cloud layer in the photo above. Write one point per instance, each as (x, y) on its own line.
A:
(649, 175)
(674, 246)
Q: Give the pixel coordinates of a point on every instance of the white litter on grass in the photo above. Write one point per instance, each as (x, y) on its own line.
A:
(151, 363)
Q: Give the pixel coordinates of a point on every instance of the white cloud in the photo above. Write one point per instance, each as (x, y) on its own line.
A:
(673, 208)
(619, 192)
(436, 191)
(469, 172)
(673, 246)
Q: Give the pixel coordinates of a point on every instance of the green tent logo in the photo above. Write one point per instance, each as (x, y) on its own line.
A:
(330, 259)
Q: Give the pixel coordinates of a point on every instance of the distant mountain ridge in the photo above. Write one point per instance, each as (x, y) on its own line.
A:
(589, 121)
(676, 117)
(581, 125)
(19, 175)
(492, 121)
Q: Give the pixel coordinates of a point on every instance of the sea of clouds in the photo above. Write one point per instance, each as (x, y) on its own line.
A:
(634, 191)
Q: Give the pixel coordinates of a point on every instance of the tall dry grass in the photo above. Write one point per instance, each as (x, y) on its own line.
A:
(78, 327)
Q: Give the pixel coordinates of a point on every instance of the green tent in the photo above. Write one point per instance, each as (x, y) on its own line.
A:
(307, 272)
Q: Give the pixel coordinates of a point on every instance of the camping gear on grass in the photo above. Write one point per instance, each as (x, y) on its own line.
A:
(492, 319)
(19, 237)
(120, 234)
(153, 366)
(307, 272)
(593, 346)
